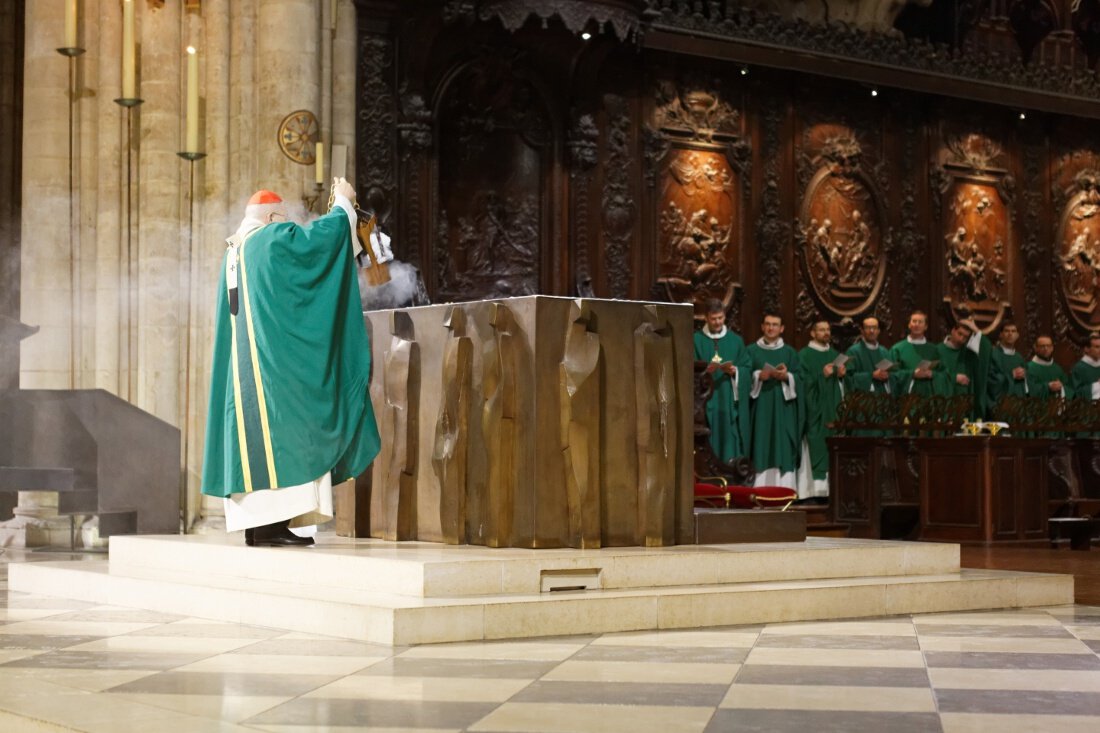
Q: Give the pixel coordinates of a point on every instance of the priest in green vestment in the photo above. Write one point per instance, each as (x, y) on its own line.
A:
(823, 369)
(290, 413)
(1085, 375)
(915, 358)
(964, 358)
(1007, 367)
(1045, 377)
(776, 408)
(866, 369)
(729, 366)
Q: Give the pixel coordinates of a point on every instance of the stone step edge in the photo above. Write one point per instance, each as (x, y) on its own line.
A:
(429, 578)
(353, 597)
(461, 622)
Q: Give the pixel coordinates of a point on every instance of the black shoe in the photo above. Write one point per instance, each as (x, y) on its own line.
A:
(249, 538)
(278, 535)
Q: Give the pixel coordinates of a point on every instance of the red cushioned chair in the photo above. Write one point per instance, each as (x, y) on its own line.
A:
(712, 492)
(715, 492)
(762, 497)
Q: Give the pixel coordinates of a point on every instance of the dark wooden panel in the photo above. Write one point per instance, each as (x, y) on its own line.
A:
(953, 494)
(1006, 483)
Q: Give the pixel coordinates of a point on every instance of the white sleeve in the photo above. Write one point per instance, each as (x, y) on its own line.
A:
(736, 376)
(344, 203)
(788, 388)
(756, 384)
(975, 342)
(1096, 390)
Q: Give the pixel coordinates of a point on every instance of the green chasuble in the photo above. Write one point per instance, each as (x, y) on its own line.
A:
(1085, 379)
(1000, 381)
(727, 410)
(821, 396)
(1041, 373)
(776, 412)
(861, 365)
(907, 356)
(965, 361)
(288, 389)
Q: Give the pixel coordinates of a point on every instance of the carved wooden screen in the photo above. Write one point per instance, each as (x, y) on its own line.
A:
(496, 148)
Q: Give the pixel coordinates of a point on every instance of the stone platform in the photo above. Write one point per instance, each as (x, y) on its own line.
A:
(415, 593)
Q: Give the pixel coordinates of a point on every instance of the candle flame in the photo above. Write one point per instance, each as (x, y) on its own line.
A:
(191, 50)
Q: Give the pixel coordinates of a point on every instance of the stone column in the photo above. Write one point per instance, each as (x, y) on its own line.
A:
(45, 253)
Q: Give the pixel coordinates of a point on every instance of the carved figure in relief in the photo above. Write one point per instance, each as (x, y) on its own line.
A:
(698, 242)
(975, 276)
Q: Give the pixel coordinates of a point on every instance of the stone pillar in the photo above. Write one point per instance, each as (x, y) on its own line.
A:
(287, 79)
(343, 81)
(45, 253)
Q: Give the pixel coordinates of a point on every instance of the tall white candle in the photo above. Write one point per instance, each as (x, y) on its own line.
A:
(320, 173)
(129, 82)
(192, 145)
(70, 24)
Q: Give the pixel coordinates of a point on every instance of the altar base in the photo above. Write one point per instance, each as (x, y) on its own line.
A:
(415, 593)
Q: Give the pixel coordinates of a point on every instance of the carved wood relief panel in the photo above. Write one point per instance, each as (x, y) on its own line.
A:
(495, 156)
(1077, 245)
(701, 200)
(976, 215)
(841, 225)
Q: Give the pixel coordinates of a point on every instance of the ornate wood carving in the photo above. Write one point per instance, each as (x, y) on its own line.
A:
(986, 66)
(401, 379)
(976, 199)
(452, 428)
(703, 193)
(495, 146)
(622, 17)
(619, 208)
(375, 164)
(772, 234)
(1031, 22)
(1031, 248)
(583, 144)
(1077, 244)
(579, 387)
(658, 429)
(1086, 26)
(841, 227)
(910, 242)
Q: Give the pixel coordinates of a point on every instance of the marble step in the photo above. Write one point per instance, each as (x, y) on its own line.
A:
(432, 570)
(300, 605)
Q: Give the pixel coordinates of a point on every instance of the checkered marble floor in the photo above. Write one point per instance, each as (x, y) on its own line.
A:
(67, 665)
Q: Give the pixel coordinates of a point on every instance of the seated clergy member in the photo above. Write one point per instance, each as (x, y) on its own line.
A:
(866, 354)
(964, 364)
(822, 376)
(1007, 368)
(729, 365)
(1085, 376)
(914, 357)
(1044, 375)
(289, 413)
(776, 409)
